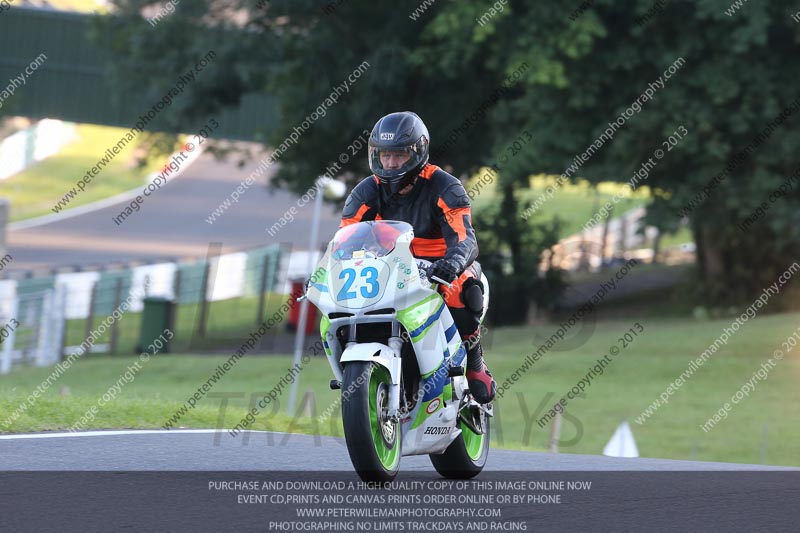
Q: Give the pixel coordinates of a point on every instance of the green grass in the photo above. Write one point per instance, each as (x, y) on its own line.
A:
(160, 388)
(37, 189)
(82, 6)
(767, 419)
(683, 235)
(642, 372)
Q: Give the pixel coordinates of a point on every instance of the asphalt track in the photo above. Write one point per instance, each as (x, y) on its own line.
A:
(187, 481)
(259, 450)
(172, 222)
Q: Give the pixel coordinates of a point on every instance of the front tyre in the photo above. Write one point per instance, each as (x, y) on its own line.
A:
(466, 456)
(373, 441)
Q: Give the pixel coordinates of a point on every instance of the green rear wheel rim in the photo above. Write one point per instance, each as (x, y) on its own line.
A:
(473, 442)
(384, 433)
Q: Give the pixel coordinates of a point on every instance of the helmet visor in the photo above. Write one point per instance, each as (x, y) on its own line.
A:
(393, 163)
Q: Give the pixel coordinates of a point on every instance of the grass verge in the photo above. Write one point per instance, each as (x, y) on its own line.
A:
(762, 428)
(37, 189)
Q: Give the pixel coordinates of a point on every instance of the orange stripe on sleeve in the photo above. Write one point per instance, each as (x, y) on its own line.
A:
(355, 218)
(455, 218)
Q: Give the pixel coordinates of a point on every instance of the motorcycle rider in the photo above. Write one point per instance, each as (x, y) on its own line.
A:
(406, 187)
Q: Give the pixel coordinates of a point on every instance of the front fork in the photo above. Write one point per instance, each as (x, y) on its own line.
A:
(395, 346)
(395, 368)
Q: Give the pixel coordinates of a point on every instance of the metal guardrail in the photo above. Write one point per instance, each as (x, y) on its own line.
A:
(56, 310)
(36, 330)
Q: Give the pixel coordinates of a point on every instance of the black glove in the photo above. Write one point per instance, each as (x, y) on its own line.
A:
(446, 269)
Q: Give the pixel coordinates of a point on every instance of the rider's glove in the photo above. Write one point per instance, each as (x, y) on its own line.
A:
(447, 269)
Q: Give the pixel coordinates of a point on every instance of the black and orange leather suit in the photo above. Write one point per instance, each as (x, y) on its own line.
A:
(438, 209)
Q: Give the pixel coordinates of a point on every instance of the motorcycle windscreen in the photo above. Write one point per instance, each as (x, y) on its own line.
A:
(358, 274)
(367, 240)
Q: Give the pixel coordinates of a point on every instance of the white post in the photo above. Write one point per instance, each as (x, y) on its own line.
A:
(55, 329)
(42, 340)
(301, 323)
(555, 433)
(8, 343)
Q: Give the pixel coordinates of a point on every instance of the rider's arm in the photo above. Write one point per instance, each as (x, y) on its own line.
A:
(361, 205)
(456, 223)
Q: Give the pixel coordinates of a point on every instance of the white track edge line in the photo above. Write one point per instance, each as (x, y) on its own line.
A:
(122, 432)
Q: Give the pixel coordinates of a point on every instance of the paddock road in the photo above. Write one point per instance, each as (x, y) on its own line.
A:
(171, 223)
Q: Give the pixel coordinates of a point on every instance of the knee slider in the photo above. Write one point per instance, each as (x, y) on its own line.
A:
(472, 295)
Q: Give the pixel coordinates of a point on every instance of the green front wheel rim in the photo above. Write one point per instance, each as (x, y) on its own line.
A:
(384, 434)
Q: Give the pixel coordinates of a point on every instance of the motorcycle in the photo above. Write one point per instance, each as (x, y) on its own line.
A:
(396, 356)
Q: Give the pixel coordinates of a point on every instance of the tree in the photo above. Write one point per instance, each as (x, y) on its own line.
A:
(733, 76)
(511, 249)
(299, 52)
(481, 75)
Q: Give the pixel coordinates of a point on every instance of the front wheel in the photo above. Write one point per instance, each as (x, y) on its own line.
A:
(373, 441)
(466, 456)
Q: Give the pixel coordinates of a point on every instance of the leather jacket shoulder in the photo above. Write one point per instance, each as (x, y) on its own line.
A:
(437, 207)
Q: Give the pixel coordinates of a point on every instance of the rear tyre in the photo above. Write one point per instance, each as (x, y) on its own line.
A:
(466, 456)
(373, 441)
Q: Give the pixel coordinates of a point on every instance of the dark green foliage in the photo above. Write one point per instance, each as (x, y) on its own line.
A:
(582, 70)
(511, 249)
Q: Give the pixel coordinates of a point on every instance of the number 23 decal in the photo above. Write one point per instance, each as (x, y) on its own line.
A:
(369, 291)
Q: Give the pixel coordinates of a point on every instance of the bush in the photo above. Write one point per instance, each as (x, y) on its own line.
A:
(511, 251)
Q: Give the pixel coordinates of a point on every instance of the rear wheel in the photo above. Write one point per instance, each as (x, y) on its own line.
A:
(373, 441)
(466, 456)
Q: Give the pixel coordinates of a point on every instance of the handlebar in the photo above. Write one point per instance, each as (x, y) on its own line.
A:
(423, 264)
(441, 281)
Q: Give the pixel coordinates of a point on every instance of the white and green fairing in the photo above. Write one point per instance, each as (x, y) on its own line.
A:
(383, 284)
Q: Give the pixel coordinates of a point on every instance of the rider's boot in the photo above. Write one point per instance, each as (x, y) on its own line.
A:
(480, 381)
